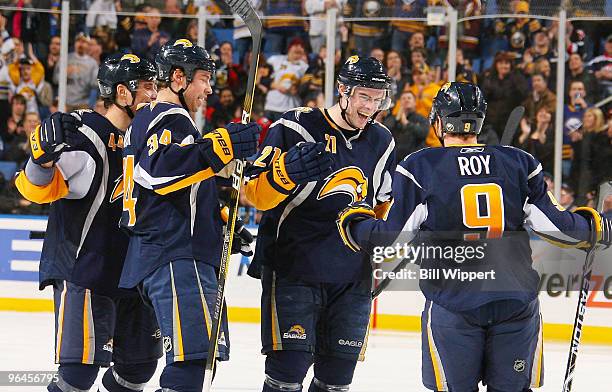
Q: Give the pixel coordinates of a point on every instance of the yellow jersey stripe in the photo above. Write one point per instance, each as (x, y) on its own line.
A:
(185, 182)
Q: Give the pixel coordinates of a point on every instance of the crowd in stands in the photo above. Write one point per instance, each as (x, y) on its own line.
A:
(514, 60)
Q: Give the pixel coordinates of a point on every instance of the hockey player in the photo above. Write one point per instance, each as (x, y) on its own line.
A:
(75, 164)
(171, 210)
(316, 298)
(484, 330)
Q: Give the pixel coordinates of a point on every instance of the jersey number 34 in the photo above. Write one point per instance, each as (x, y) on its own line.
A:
(482, 207)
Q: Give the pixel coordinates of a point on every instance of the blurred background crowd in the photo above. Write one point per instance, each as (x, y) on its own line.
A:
(513, 59)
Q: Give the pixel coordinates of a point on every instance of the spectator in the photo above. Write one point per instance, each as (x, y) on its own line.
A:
(378, 54)
(602, 68)
(101, 13)
(174, 26)
(409, 128)
(396, 71)
(223, 112)
(464, 71)
(4, 34)
(424, 90)
(540, 96)
(312, 82)
(95, 50)
(242, 35)
(52, 61)
(147, 42)
(504, 89)
(229, 74)
(573, 112)
(402, 30)
(417, 43)
(567, 199)
(106, 39)
(281, 31)
(540, 50)
(30, 122)
(82, 75)
(542, 66)
(368, 35)
(578, 72)
(538, 138)
(16, 147)
(210, 41)
(583, 139)
(601, 155)
(288, 70)
(26, 86)
(263, 82)
(316, 10)
(15, 120)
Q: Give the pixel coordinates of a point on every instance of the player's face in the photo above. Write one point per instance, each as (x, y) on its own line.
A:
(147, 92)
(363, 104)
(198, 90)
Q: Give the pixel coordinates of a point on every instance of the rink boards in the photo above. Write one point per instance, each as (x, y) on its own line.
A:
(393, 310)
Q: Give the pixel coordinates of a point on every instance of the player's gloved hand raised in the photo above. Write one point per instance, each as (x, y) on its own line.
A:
(54, 134)
(235, 141)
(355, 212)
(304, 162)
(600, 224)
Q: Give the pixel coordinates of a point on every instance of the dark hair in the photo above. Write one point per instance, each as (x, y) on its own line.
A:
(226, 43)
(18, 97)
(540, 74)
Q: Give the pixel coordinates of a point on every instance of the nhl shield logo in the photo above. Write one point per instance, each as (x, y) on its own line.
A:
(519, 365)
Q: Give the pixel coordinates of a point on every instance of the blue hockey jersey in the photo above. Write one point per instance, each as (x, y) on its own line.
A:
(297, 234)
(480, 192)
(170, 204)
(83, 242)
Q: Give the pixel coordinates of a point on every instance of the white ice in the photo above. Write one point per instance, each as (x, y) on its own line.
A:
(393, 360)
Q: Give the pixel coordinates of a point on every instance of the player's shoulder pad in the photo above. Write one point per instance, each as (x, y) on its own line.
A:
(521, 158)
(415, 156)
(298, 120)
(157, 113)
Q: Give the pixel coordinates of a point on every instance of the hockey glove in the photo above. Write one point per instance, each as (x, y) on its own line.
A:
(304, 162)
(599, 223)
(242, 236)
(51, 137)
(355, 212)
(236, 141)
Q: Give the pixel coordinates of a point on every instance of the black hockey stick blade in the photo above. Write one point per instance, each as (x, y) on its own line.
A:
(511, 125)
(246, 12)
(37, 235)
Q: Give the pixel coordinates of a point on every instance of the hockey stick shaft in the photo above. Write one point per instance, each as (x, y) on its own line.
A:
(244, 10)
(585, 282)
(511, 125)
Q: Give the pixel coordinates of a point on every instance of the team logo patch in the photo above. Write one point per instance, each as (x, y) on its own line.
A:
(352, 59)
(301, 110)
(295, 332)
(108, 346)
(132, 58)
(117, 190)
(349, 180)
(350, 343)
(445, 87)
(185, 43)
(167, 341)
(519, 365)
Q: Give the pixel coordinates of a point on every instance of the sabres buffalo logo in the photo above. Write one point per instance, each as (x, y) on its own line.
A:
(348, 180)
(352, 59)
(132, 58)
(117, 190)
(185, 43)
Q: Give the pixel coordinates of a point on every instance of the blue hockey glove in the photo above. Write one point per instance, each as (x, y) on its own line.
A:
(355, 212)
(599, 223)
(235, 141)
(304, 162)
(56, 132)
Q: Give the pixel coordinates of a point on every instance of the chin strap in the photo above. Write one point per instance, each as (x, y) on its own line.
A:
(180, 95)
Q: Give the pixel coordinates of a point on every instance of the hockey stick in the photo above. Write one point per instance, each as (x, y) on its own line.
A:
(585, 283)
(244, 10)
(511, 125)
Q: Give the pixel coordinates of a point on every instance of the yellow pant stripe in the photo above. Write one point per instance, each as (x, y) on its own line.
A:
(89, 336)
(177, 344)
(60, 323)
(435, 357)
(538, 358)
(277, 343)
(203, 300)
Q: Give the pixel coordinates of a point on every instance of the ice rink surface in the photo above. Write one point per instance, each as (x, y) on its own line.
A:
(393, 360)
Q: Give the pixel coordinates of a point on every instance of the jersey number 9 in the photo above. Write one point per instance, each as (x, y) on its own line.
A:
(483, 208)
